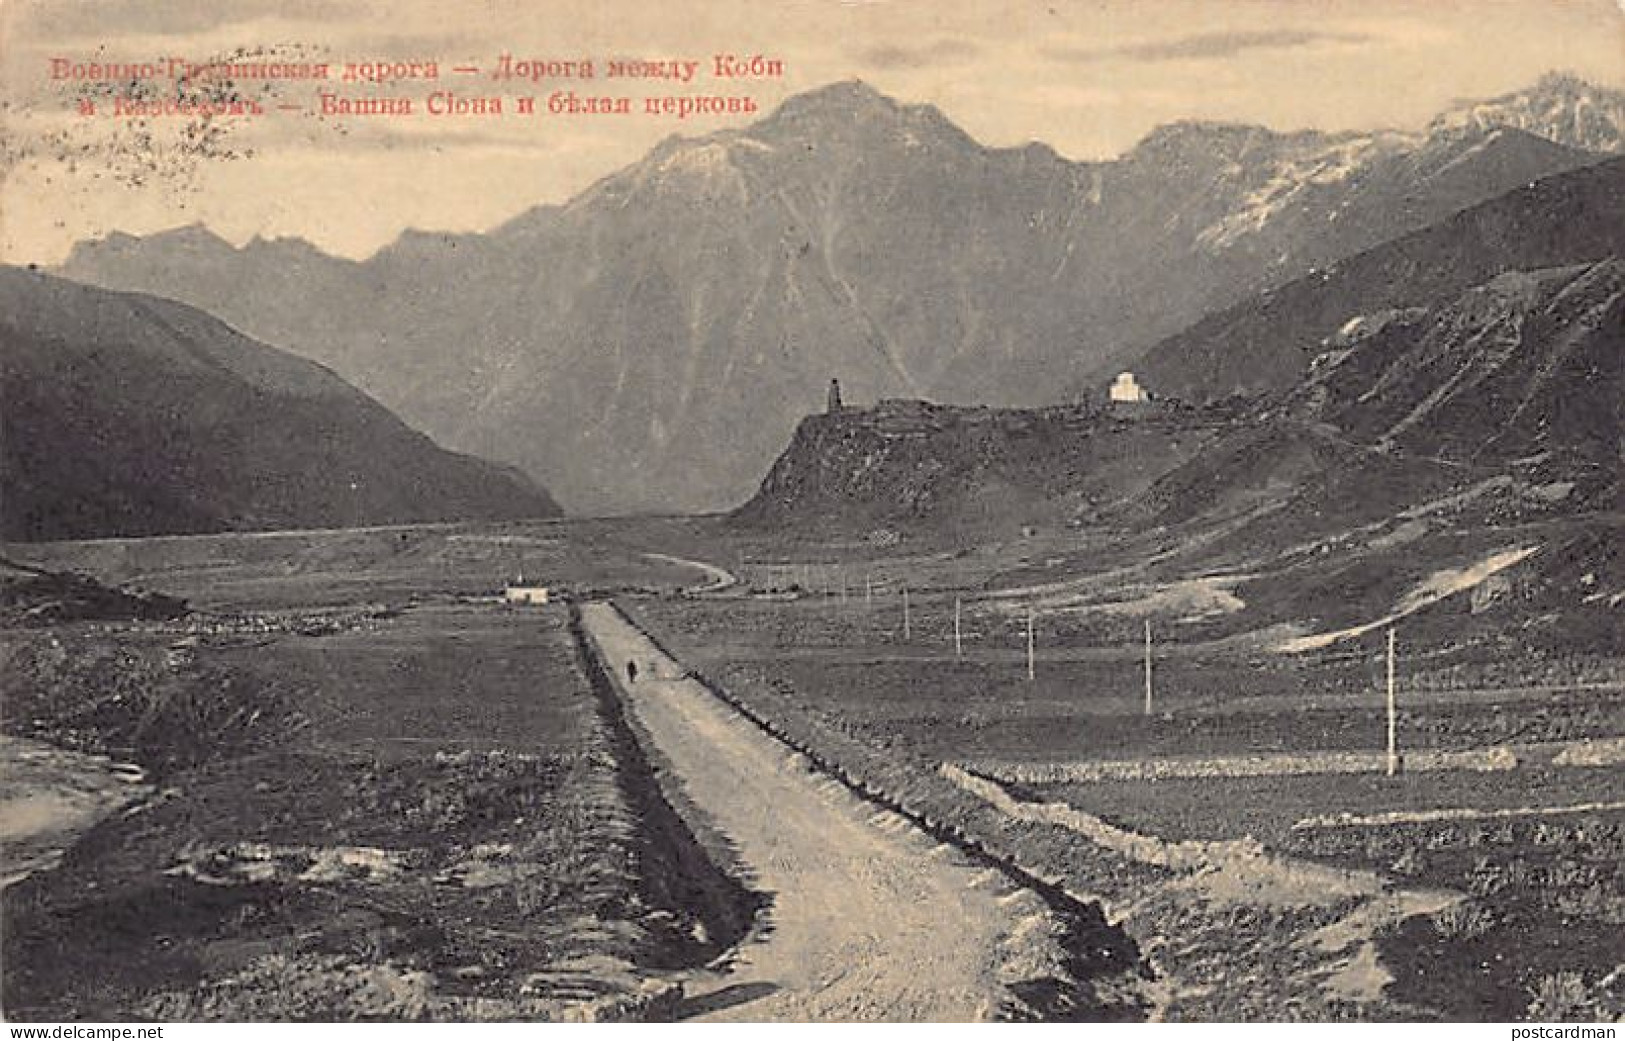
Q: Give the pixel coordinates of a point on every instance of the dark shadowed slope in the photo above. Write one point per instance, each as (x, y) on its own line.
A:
(1516, 381)
(125, 414)
(1428, 451)
(1511, 390)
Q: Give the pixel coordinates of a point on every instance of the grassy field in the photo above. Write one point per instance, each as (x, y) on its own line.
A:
(1270, 808)
(1086, 700)
(1538, 934)
(385, 795)
(301, 570)
(374, 800)
(818, 640)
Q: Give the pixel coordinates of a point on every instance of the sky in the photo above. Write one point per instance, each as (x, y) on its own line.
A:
(1087, 77)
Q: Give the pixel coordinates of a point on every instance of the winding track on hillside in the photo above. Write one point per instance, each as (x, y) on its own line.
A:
(720, 578)
(870, 919)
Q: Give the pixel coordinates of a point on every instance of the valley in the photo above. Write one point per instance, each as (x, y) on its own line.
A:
(382, 669)
(1198, 598)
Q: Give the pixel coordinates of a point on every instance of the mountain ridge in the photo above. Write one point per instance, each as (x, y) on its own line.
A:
(1265, 343)
(126, 414)
(653, 342)
(1512, 387)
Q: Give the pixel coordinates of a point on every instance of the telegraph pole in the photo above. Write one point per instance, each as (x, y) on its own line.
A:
(1148, 666)
(1031, 672)
(907, 631)
(868, 590)
(959, 647)
(1393, 711)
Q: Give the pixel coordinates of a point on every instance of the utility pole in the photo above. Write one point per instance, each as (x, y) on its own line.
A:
(959, 647)
(907, 630)
(840, 571)
(1148, 666)
(1031, 672)
(1393, 711)
(868, 590)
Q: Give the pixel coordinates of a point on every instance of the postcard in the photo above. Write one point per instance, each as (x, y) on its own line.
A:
(809, 511)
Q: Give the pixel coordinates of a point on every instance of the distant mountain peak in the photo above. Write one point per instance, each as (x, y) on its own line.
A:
(290, 243)
(1563, 81)
(1198, 138)
(853, 106)
(194, 233)
(849, 118)
(1560, 107)
(841, 98)
(194, 240)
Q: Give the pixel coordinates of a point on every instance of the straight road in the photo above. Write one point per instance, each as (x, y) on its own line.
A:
(870, 919)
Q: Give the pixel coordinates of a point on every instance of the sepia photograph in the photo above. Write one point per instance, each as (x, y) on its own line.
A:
(812, 511)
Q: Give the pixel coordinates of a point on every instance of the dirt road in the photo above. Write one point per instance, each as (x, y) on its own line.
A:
(718, 578)
(870, 919)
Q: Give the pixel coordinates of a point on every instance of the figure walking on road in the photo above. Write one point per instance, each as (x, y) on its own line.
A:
(631, 671)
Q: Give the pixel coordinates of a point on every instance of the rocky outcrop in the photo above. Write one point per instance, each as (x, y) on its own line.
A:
(914, 464)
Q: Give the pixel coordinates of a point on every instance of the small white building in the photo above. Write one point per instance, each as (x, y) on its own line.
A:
(1125, 389)
(526, 595)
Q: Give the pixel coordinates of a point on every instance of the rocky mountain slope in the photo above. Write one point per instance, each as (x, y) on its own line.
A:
(1560, 107)
(1471, 445)
(123, 414)
(1514, 386)
(653, 343)
(1456, 464)
(1268, 342)
(1510, 387)
(908, 464)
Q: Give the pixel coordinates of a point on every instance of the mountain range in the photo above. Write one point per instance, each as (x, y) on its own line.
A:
(1268, 342)
(1468, 444)
(1515, 387)
(126, 414)
(654, 342)
(1485, 352)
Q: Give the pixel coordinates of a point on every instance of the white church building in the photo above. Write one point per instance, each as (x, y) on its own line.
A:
(1125, 389)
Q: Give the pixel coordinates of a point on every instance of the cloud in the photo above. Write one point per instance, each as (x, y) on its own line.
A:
(942, 52)
(1205, 46)
(56, 21)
